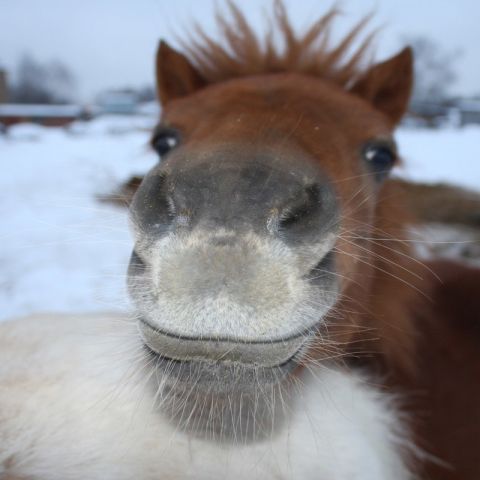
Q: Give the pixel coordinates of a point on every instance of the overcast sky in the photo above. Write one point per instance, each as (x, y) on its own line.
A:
(111, 43)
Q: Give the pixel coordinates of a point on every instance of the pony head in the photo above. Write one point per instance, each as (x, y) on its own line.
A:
(254, 250)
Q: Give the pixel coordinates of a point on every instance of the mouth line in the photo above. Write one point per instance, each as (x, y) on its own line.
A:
(307, 333)
(289, 362)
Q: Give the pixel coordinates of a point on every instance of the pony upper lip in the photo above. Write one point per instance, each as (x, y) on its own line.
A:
(182, 337)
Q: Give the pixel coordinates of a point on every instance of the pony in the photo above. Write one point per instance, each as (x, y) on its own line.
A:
(283, 327)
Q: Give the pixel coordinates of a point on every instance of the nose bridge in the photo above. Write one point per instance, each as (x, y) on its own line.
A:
(234, 193)
(232, 198)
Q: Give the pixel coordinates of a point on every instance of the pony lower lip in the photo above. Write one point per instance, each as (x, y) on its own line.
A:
(300, 334)
(174, 361)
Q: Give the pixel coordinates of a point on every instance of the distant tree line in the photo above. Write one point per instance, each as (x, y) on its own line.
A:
(36, 82)
(52, 83)
(435, 69)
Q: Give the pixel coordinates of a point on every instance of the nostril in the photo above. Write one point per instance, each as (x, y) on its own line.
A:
(291, 216)
(301, 208)
(153, 208)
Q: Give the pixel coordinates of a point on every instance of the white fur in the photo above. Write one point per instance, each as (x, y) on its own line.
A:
(252, 289)
(73, 406)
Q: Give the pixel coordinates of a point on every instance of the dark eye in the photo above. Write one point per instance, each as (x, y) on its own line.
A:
(164, 140)
(380, 158)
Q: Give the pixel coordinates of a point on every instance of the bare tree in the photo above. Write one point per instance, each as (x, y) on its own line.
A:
(434, 69)
(60, 81)
(42, 83)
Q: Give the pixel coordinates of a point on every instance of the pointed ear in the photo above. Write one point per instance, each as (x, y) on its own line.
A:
(176, 77)
(387, 85)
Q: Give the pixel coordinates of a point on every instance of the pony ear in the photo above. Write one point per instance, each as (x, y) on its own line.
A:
(176, 77)
(387, 85)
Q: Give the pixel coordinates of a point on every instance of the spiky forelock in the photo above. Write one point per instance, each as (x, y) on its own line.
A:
(241, 52)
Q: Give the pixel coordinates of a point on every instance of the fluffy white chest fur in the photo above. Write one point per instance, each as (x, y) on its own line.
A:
(72, 406)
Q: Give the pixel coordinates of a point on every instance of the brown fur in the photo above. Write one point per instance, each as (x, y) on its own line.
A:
(389, 286)
(442, 203)
(241, 53)
(443, 397)
(377, 84)
(393, 315)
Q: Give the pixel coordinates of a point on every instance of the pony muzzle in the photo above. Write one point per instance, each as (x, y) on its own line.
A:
(245, 300)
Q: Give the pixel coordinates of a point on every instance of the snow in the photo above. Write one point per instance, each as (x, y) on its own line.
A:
(63, 250)
(32, 110)
(449, 155)
(26, 131)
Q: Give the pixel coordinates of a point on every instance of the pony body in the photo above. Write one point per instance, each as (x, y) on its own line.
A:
(83, 409)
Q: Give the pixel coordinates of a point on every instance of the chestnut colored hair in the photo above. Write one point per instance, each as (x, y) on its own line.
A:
(377, 310)
(241, 53)
(389, 317)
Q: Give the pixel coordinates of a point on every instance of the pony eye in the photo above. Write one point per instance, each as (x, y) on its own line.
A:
(164, 140)
(380, 158)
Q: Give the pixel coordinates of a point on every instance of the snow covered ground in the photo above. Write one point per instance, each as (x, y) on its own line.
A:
(62, 250)
(450, 155)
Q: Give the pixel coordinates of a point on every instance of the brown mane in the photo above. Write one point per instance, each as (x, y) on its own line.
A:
(241, 52)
